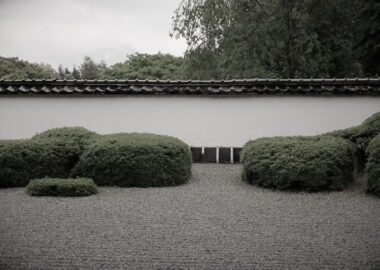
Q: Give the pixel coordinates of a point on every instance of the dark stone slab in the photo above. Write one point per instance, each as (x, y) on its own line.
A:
(236, 154)
(210, 155)
(224, 155)
(197, 155)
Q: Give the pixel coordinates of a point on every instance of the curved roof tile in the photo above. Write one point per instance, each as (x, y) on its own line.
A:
(352, 86)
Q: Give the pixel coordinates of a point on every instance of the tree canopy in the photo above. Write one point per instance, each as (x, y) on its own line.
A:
(14, 69)
(137, 66)
(271, 38)
(232, 39)
(369, 42)
(147, 66)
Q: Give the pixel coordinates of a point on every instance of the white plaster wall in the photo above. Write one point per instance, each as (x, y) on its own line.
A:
(199, 121)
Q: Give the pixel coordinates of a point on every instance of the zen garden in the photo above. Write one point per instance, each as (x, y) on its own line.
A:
(255, 147)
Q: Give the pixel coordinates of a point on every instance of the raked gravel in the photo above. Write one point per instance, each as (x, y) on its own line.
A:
(215, 221)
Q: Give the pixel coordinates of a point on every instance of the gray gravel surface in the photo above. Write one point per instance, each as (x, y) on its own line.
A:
(215, 221)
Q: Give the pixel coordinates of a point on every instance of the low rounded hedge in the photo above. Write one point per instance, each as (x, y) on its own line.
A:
(136, 160)
(361, 136)
(308, 163)
(373, 166)
(61, 187)
(52, 153)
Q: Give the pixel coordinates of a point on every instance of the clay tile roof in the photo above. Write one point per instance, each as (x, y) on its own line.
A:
(354, 86)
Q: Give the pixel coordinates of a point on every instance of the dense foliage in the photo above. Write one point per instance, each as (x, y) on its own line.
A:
(373, 166)
(137, 66)
(271, 38)
(90, 70)
(51, 153)
(22, 160)
(361, 136)
(369, 42)
(306, 163)
(135, 159)
(79, 137)
(147, 66)
(70, 143)
(14, 69)
(61, 187)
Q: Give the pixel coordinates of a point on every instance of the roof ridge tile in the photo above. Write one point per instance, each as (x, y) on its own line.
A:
(352, 86)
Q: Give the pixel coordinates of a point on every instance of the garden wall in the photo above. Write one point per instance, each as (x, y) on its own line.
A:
(197, 120)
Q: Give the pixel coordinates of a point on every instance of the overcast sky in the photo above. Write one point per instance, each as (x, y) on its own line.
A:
(64, 31)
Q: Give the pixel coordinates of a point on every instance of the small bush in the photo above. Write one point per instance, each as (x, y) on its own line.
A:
(307, 163)
(373, 166)
(61, 187)
(136, 160)
(361, 136)
(52, 153)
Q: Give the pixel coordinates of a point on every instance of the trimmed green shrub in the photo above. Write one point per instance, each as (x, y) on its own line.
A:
(22, 160)
(61, 187)
(51, 153)
(373, 166)
(78, 136)
(361, 136)
(71, 140)
(136, 160)
(308, 163)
